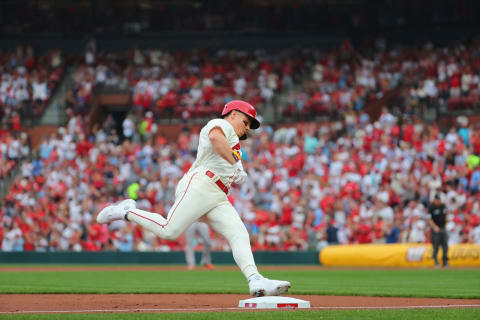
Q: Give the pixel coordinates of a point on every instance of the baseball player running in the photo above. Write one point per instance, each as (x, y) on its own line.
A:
(203, 190)
(203, 231)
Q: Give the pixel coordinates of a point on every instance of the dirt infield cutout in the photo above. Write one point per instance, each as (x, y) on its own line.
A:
(74, 303)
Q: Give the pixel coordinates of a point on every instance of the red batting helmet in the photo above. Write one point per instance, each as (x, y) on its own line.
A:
(245, 108)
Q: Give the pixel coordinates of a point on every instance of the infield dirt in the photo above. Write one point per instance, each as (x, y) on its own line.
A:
(19, 303)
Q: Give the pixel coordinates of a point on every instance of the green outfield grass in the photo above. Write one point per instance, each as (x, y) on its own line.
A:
(417, 314)
(445, 283)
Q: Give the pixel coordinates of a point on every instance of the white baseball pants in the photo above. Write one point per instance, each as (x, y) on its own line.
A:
(197, 195)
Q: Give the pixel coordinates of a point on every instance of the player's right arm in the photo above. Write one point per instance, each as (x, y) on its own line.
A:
(220, 145)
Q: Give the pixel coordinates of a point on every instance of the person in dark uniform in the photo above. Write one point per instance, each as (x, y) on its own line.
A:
(438, 216)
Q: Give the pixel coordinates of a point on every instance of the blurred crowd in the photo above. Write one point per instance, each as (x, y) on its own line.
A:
(26, 83)
(197, 84)
(310, 184)
(301, 83)
(14, 148)
(344, 79)
(346, 180)
(182, 84)
(446, 77)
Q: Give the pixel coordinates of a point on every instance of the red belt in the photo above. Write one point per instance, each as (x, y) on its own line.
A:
(218, 182)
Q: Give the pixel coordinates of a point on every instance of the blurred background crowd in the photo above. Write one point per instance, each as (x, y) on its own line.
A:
(352, 149)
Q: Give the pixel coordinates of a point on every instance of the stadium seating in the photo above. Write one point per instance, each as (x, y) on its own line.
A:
(27, 82)
(327, 185)
(348, 179)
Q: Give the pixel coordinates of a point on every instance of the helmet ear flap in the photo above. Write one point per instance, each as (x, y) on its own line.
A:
(226, 114)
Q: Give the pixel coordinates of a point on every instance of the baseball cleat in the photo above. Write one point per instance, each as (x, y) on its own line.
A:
(115, 211)
(260, 287)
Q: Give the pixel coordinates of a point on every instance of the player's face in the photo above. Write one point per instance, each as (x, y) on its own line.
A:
(242, 124)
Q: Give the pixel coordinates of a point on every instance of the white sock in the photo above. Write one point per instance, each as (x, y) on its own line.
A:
(249, 270)
(255, 276)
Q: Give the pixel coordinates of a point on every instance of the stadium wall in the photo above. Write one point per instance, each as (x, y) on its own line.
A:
(175, 257)
(362, 255)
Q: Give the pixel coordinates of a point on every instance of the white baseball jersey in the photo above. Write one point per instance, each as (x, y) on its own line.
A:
(206, 155)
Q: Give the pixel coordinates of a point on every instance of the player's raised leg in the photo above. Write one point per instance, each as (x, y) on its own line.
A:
(190, 204)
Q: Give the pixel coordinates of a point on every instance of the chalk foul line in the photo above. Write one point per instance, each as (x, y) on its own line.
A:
(238, 309)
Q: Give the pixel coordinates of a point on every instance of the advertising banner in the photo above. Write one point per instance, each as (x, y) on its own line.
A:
(397, 255)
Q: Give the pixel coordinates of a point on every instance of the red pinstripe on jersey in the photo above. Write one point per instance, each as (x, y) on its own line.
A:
(173, 212)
